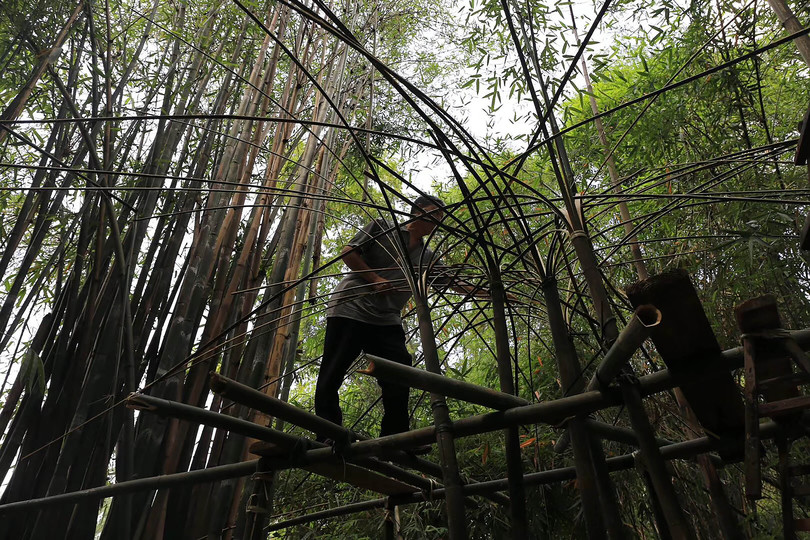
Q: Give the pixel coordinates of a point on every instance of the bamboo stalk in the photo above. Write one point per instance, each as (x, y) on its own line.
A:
(133, 486)
(431, 382)
(654, 462)
(443, 428)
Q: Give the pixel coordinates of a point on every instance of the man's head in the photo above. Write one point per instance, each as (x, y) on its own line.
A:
(430, 210)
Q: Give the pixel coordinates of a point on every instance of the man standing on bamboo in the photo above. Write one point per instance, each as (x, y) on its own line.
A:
(364, 311)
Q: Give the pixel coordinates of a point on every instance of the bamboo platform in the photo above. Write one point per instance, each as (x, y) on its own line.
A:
(341, 471)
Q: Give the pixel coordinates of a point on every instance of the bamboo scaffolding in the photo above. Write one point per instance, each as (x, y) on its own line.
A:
(274, 407)
(686, 450)
(155, 156)
(683, 450)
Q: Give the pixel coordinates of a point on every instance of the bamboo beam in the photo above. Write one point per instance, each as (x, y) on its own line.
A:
(683, 450)
(271, 406)
(182, 411)
(211, 474)
(432, 382)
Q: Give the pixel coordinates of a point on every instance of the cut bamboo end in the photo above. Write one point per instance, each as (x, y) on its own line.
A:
(216, 381)
(648, 315)
(135, 402)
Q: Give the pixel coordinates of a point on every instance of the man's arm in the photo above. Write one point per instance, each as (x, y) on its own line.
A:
(356, 263)
(465, 289)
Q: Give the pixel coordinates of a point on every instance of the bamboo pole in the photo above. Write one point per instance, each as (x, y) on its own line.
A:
(514, 466)
(274, 407)
(443, 426)
(569, 370)
(431, 382)
(792, 25)
(210, 474)
(679, 527)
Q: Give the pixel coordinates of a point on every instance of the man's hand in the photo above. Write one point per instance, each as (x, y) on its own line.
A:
(382, 285)
(356, 262)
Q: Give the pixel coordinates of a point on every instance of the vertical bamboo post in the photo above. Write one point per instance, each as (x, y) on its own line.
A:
(783, 449)
(390, 519)
(753, 472)
(654, 464)
(444, 435)
(569, 369)
(514, 467)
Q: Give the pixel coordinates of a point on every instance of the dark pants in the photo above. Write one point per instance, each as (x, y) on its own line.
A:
(345, 338)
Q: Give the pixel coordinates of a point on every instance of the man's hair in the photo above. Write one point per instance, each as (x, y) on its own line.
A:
(423, 201)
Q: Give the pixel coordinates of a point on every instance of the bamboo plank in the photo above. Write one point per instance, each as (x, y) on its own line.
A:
(798, 470)
(785, 406)
(715, 399)
(802, 524)
(757, 316)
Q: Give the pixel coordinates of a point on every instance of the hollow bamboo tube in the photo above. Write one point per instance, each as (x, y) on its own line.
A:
(644, 319)
(431, 382)
(638, 329)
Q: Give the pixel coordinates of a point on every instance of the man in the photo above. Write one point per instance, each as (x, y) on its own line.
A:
(364, 310)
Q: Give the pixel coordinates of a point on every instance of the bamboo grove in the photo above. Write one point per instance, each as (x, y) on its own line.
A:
(177, 180)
